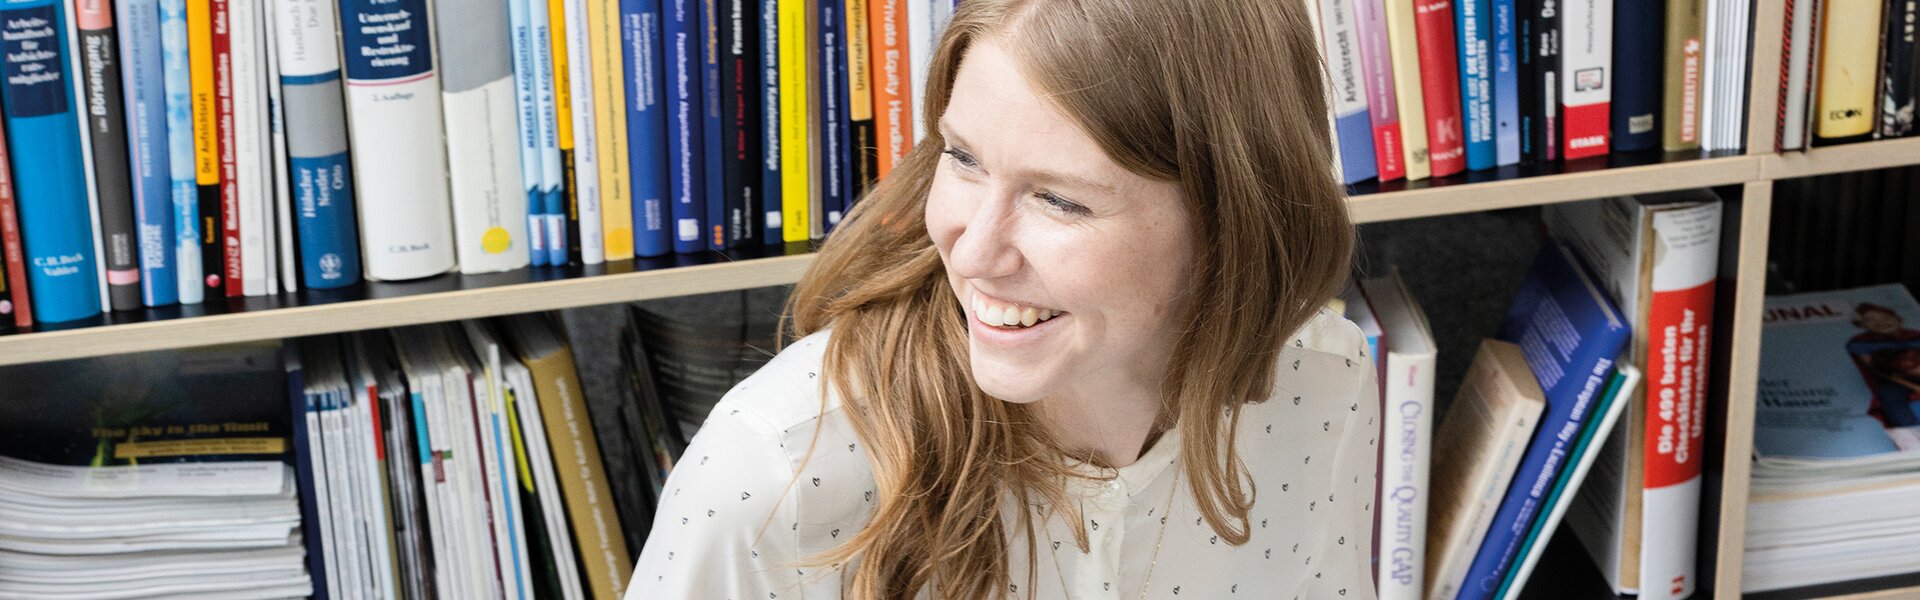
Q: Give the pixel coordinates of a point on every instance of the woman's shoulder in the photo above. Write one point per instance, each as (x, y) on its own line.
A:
(1329, 333)
(785, 392)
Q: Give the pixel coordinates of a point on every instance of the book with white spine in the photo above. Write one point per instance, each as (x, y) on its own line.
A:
(1407, 392)
(398, 147)
(283, 275)
(920, 17)
(247, 68)
(586, 154)
(483, 137)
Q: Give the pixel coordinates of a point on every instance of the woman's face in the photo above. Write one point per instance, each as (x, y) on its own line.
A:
(1071, 268)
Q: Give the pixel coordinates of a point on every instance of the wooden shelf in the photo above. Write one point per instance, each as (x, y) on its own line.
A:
(1516, 186)
(1862, 156)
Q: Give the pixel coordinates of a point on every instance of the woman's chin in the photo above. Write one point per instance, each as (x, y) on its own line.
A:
(1019, 386)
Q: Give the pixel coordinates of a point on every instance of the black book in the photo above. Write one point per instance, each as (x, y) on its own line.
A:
(1898, 85)
(1539, 55)
(107, 128)
(740, 118)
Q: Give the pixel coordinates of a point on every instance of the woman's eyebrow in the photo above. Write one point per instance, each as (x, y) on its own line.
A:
(1042, 175)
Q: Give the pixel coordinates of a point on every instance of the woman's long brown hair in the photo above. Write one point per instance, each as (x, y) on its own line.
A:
(1224, 98)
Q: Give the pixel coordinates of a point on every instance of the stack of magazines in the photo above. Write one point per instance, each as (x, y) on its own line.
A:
(1836, 474)
(201, 530)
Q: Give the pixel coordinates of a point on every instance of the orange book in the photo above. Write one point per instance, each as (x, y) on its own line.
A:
(892, 96)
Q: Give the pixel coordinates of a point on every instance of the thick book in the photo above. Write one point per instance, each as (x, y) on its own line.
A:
(1637, 70)
(586, 240)
(645, 85)
(322, 176)
(795, 150)
(1845, 93)
(182, 159)
(834, 116)
(603, 551)
(106, 121)
(398, 152)
(543, 501)
(739, 97)
(1571, 334)
(1586, 447)
(686, 152)
(1658, 257)
(1352, 122)
(1685, 54)
(1440, 86)
(1406, 452)
(772, 131)
(892, 97)
(145, 104)
(1403, 48)
(1539, 52)
(610, 115)
(1474, 42)
(1506, 83)
(1586, 57)
(1475, 451)
(1899, 83)
(484, 177)
(43, 139)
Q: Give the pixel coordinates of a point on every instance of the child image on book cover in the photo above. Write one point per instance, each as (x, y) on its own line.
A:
(198, 405)
(1839, 374)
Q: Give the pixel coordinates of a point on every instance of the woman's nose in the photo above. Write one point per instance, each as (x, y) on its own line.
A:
(986, 247)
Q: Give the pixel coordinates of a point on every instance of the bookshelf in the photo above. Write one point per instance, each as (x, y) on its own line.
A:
(1750, 175)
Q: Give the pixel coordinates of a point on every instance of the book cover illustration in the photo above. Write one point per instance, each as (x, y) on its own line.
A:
(1839, 374)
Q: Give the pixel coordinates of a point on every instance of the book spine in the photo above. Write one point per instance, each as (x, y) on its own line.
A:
(311, 505)
(1440, 91)
(283, 274)
(919, 46)
(1539, 80)
(794, 155)
(863, 149)
(1637, 95)
(887, 41)
(145, 103)
(833, 113)
(75, 81)
(526, 117)
(43, 137)
(252, 181)
(1403, 48)
(1586, 54)
(583, 479)
(739, 125)
(1849, 49)
(1796, 68)
(228, 241)
(727, 148)
(12, 253)
(107, 124)
(711, 129)
(1474, 43)
(206, 147)
(320, 174)
(772, 181)
(182, 160)
(1580, 461)
(563, 231)
(610, 115)
(1353, 125)
(1403, 475)
(477, 90)
(687, 176)
(815, 125)
(546, 96)
(646, 126)
(399, 158)
(1680, 111)
(1506, 83)
(586, 242)
(1899, 84)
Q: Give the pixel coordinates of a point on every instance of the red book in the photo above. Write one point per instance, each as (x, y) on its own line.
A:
(229, 165)
(892, 91)
(1440, 86)
(15, 287)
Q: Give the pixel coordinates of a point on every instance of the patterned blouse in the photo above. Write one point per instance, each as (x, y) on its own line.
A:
(730, 527)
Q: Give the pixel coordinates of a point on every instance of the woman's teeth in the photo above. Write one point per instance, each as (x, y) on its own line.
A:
(1010, 315)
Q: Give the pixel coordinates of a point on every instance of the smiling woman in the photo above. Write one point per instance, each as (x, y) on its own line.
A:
(1072, 347)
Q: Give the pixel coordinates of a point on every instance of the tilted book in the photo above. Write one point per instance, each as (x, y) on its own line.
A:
(398, 148)
(1476, 450)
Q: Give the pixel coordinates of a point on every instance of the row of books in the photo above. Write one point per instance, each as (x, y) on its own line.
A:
(1587, 405)
(1850, 71)
(1424, 88)
(170, 151)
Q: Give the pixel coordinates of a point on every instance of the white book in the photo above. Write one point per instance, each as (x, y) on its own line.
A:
(1795, 109)
(1340, 45)
(1630, 382)
(397, 140)
(586, 154)
(483, 137)
(422, 385)
(545, 481)
(920, 19)
(245, 73)
(1586, 75)
(465, 468)
(285, 276)
(500, 507)
(1314, 20)
(325, 367)
(503, 473)
(1406, 450)
(374, 497)
(322, 493)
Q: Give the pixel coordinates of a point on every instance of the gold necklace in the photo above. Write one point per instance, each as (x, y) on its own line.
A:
(1165, 513)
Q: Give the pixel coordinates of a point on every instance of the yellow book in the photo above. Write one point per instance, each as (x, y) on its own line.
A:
(610, 111)
(795, 153)
(859, 75)
(1405, 48)
(563, 109)
(206, 136)
(1849, 65)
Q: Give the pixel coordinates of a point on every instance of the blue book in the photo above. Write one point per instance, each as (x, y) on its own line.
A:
(714, 152)
(1606, 414)
(552, 208)
(835, 114)
(318, 168)
(1570, 333)
(770, 122)
(526, 116)
(686, 155)
(1474, 24)
(183, 188)
(43, 136)
(646, 126)
(1506, 85)
(142, 69)
(303, 470)
(1638, 65)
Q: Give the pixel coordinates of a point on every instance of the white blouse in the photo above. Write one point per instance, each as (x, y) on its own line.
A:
(730, 527)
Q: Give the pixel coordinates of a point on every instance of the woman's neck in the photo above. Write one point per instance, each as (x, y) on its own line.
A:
(1117, 429)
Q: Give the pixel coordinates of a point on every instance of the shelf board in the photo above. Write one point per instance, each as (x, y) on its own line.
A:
(375, 305)
(1863, 156)
(1531, 185)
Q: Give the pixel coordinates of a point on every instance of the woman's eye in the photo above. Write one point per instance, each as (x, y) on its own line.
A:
(964, 159)
(1055, 202)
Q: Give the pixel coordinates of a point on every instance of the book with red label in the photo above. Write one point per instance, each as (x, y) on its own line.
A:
(1639, 512)
(1586, 71)
(13, 288)
(1376, 66)
(1440, 79)
(228, 242)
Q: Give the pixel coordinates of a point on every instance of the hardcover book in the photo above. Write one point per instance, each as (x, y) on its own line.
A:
(686, 153)
(1406, 449)
(106, 121)
(1474, 36)
(1637, 60)
(397, 147)
(1440, 86)
(645, 86)
(479, 100)
(322, 177)
(182, 156)
(43, 139)
(610, 116)
(1845, 96)
(145, 104)
(1403, 47)
(1352, 122)
(1586, 65)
